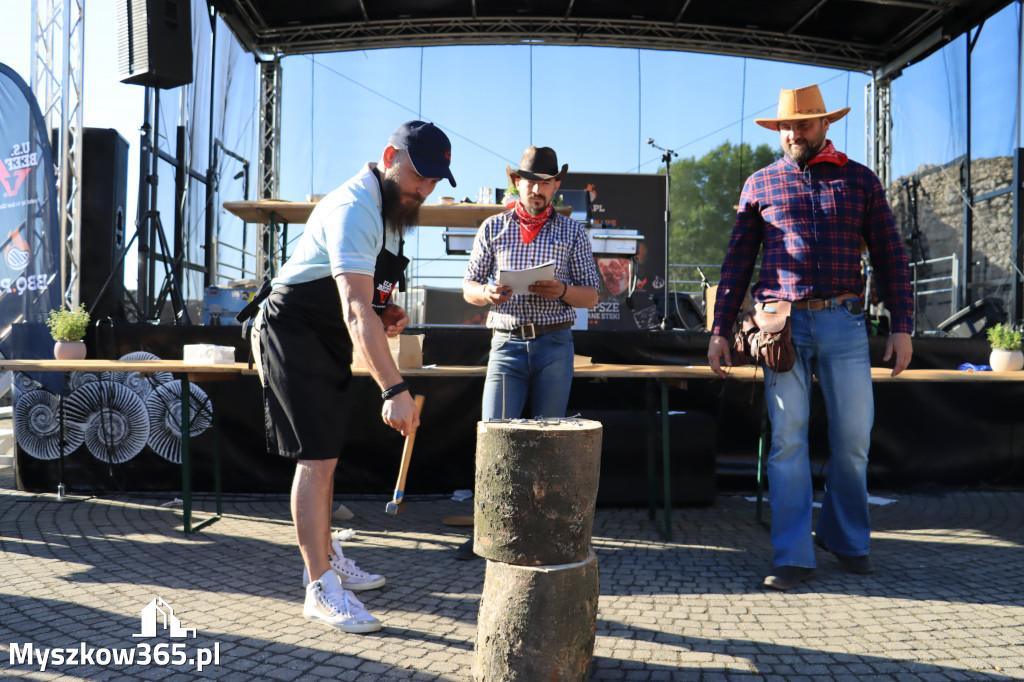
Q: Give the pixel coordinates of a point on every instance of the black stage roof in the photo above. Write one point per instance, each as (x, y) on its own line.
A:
(859, 35)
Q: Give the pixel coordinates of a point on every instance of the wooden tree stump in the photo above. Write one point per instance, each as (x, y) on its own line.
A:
(536, 487)
(537, 623)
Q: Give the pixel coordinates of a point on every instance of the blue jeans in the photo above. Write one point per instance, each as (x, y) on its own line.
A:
(833, 346)
(542, 367)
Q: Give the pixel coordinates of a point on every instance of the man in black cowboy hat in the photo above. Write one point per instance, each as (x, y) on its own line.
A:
(532, 349)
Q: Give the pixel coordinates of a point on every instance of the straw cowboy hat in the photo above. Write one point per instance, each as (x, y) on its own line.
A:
(538, 163)
(801, 103)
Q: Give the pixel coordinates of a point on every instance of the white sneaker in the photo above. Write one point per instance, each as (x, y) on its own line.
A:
(328, 601)
(352, 577)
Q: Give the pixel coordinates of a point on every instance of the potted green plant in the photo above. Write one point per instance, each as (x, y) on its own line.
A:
(68, 327)
(1006, 355)
(511, 194)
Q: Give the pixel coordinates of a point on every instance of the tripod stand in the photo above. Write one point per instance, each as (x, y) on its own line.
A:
(171, 284)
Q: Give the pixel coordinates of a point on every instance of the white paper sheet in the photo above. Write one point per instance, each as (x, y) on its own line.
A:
(520, 280)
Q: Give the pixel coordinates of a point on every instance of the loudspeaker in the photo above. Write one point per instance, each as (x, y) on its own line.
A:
(683, 311)
(972, 321)
(154, 42)
(101, 230)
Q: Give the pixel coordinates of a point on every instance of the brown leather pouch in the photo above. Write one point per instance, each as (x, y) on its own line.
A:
(765, 334)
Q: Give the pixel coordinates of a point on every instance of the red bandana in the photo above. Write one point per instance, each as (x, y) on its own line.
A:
(529, 226)
(828, 154)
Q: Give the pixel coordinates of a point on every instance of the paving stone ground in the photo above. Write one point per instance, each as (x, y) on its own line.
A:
(946, 602)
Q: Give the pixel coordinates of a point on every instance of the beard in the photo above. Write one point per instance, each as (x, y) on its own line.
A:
(801, 155)
(533, 210)
(401, 210)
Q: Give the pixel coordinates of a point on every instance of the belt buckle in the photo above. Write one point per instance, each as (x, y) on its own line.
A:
(528, 336)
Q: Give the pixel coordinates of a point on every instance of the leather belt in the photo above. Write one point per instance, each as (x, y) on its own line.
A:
(823, 303)
(530, 331)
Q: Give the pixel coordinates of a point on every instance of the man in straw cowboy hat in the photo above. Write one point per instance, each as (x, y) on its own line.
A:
(532, 348)
(811, 211)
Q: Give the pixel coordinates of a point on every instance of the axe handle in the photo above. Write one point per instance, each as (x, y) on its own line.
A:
(403, 469)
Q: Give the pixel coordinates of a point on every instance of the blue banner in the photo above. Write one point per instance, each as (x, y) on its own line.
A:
(29, 227)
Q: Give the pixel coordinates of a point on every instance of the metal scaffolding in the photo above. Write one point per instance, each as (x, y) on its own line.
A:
(268, 236)
(58, 50)
(878, 122)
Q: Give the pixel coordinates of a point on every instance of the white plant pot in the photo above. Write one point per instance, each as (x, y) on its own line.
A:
(69, 350)
(1006, 360)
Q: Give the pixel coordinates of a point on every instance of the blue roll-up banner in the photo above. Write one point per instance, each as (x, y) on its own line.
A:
(29, 227)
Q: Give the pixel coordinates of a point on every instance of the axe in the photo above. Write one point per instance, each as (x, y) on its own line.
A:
(397, 504)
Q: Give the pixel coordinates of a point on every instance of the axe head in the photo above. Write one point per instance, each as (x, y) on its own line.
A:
(395, 508)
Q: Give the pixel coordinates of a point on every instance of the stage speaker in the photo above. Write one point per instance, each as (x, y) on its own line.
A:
(101, 230)
(972, 321)
(154, 42)
(683, 311)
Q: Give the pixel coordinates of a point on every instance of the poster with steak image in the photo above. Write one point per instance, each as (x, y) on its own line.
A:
(614, 274)
(629, 201)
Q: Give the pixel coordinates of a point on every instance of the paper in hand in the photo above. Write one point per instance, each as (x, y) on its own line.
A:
(520, 280)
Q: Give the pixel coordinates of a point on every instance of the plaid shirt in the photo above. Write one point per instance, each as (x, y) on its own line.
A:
(810, 222)
(498, 246)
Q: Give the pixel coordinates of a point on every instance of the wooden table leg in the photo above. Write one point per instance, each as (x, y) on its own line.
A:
(666, 465)
(186, 457)
(186, 463)
(762, 461)
(651, 449)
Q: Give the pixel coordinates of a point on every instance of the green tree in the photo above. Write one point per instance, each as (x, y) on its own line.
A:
(705, 193)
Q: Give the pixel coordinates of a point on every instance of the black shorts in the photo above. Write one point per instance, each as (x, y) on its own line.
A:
(306, 359)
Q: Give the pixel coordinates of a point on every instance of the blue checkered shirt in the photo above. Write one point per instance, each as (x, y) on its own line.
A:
(810, 223)
(498, 246)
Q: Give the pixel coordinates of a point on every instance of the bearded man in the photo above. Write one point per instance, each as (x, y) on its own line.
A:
(811, 211)
(531, 346)
(331, 296)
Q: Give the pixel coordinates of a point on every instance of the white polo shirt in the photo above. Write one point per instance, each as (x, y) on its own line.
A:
(344, 233)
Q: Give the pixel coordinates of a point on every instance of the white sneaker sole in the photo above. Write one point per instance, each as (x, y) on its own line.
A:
(355, 628)
(360, 587)
(353, 587)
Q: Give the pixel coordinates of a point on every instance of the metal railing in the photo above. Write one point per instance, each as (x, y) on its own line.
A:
(243, 271)
(690, 270)
(681, 280)
(935, 284)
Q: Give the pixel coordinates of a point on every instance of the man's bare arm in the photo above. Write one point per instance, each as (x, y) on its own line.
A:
(370, 341)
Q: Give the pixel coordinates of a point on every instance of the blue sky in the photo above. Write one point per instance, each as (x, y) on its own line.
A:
(595, 106)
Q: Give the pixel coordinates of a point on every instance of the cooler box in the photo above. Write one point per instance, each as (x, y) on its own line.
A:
(221, 304)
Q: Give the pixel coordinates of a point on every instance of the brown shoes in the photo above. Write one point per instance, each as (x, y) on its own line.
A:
(854, 564)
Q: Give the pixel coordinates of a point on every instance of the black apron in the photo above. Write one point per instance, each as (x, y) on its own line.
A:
(306, 358)
(388, 274)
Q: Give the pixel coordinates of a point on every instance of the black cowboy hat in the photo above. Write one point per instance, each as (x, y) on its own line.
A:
(538, 163)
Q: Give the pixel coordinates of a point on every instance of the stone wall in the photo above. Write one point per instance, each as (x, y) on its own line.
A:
(929, 203)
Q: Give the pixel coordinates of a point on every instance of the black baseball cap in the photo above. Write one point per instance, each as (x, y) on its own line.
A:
(428, 147)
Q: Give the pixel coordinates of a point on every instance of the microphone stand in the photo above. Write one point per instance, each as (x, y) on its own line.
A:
(667, 158)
